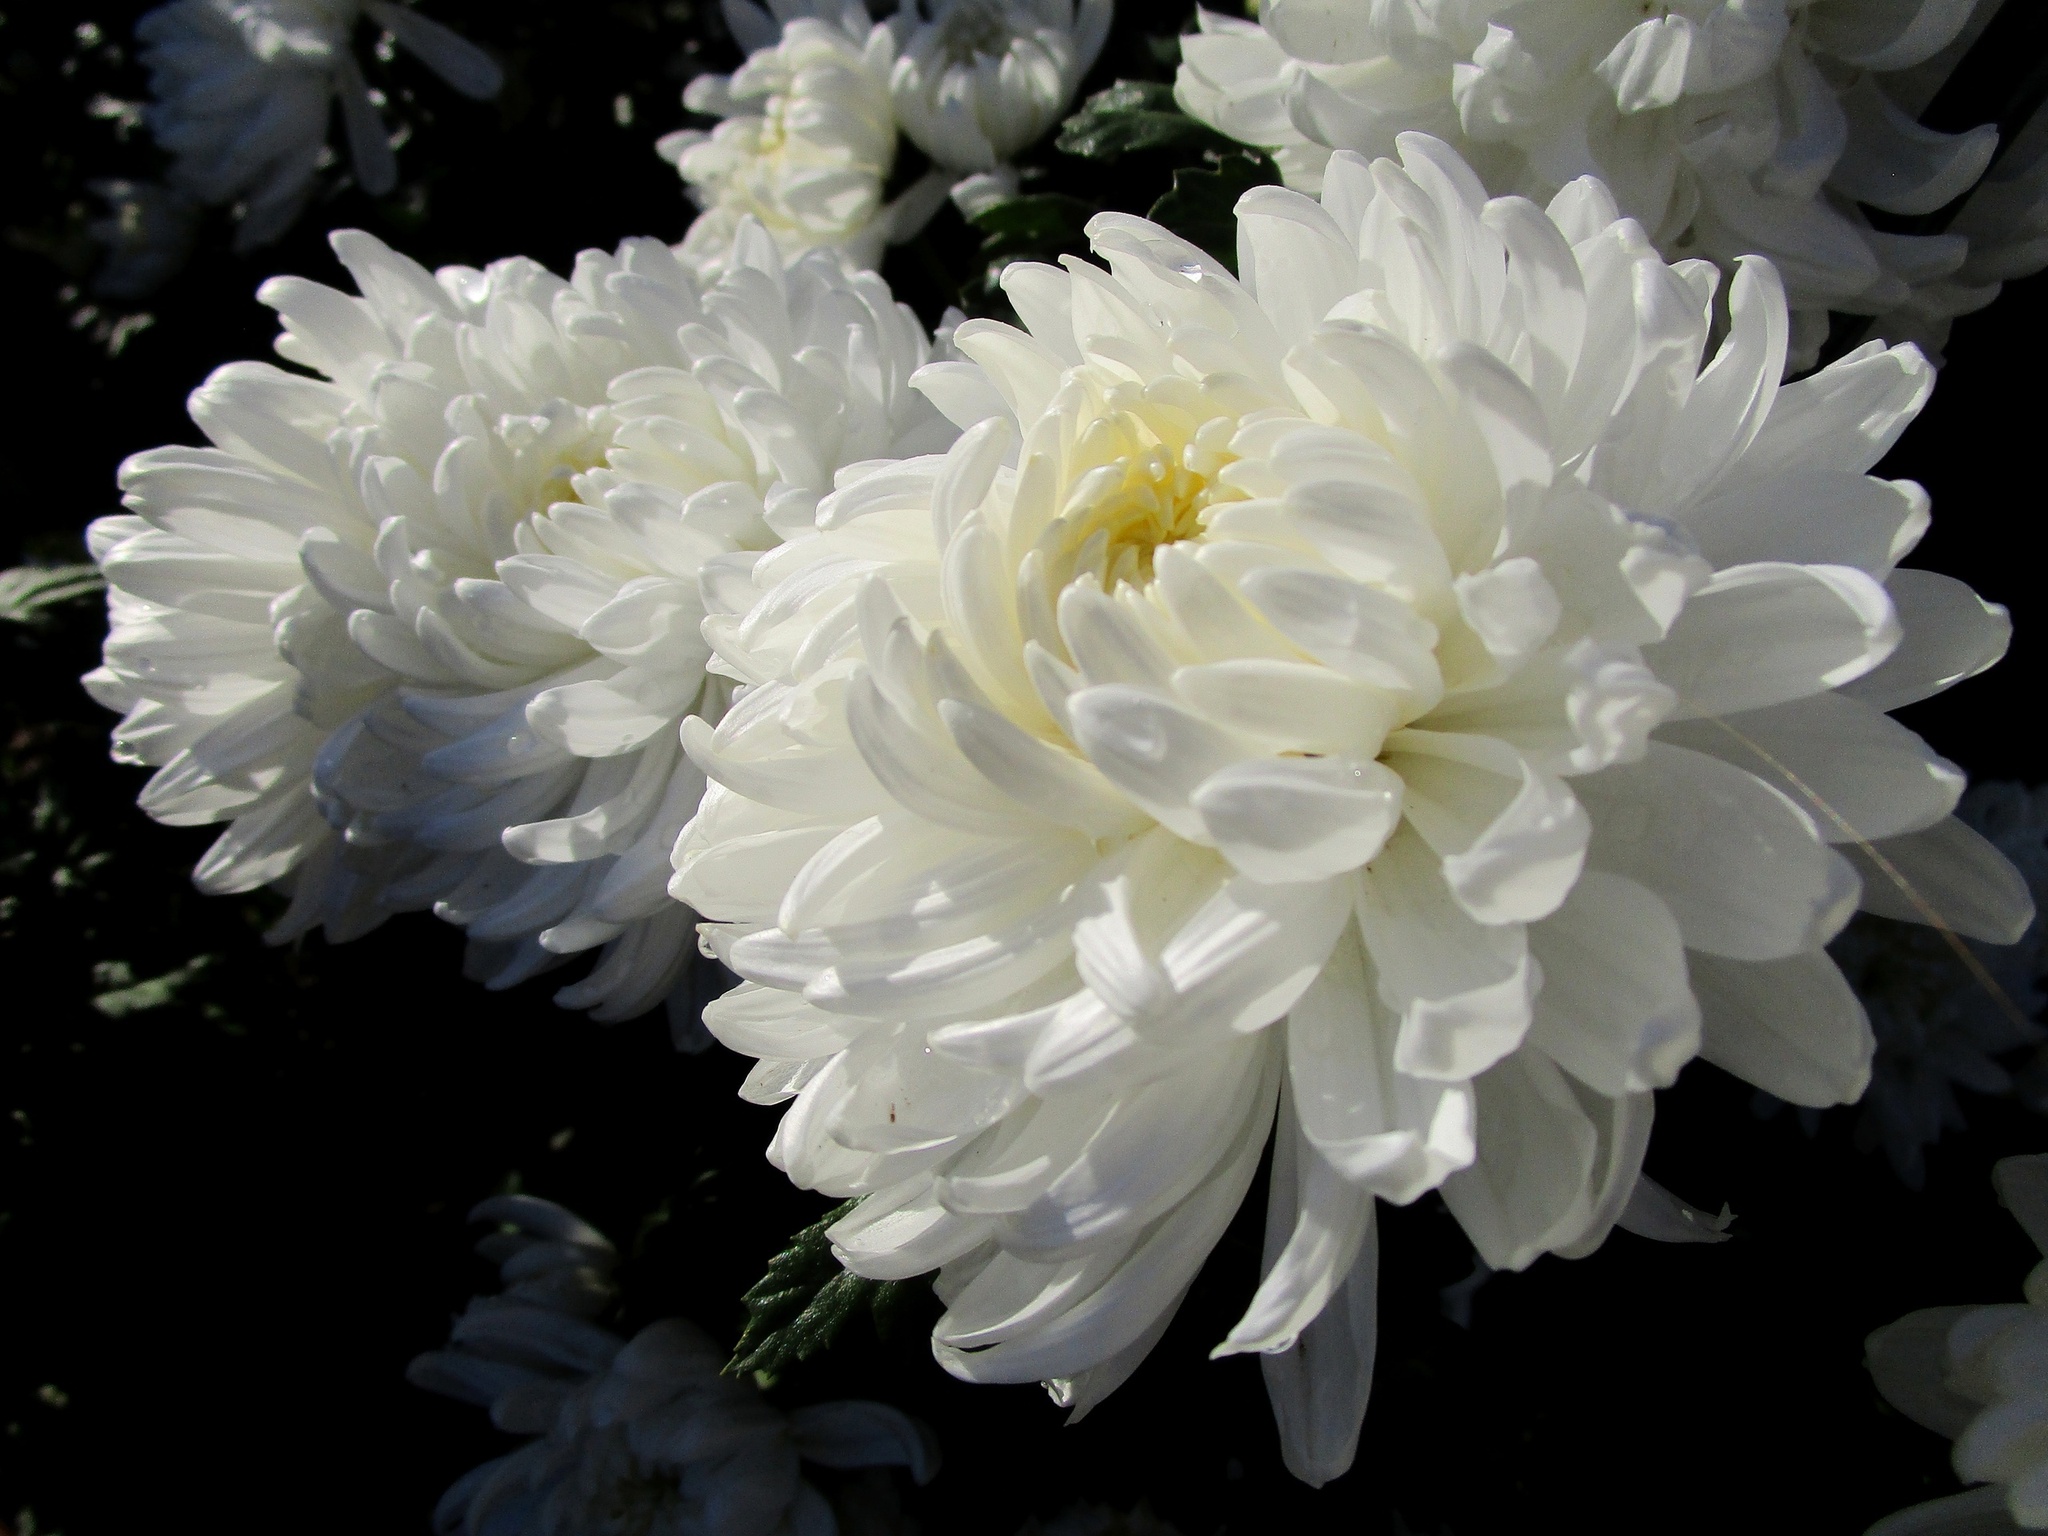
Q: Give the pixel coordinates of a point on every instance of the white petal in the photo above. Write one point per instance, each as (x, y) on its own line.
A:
(1950, 633)
(1294, 819)
(1742, 869)
(860, 1434)
(1319, 1388)
(1615, 1010)
(1464, 992)
(1319, 1220)
(1758, 635)
(1529, 1188)
(1394, 1135)
(1793, 1027)
(1948, 875)
(1153, 750)
(1857, 773)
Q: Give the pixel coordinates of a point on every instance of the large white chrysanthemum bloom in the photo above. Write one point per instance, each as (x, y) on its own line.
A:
(1942, 1021)
(1724, 127)
(1395, 692)
(978, 80)
(646, 1436)
(243, 88)
(1975, 1375)
(423, 630)
(808, 141)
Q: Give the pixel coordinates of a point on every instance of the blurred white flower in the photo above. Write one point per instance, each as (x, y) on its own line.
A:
(1278, 683)
(644, 1436)
(808, 141)
(978, 80)
(147, 232)
(2005, 221)
(1725, 127)
(423, 629)
(243, 88)
(1975, 1375)
(1938, 1026)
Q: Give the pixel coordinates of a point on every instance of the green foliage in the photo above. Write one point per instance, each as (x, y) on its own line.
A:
(1134, 116)
(1038, 226)
(799, 1306)
(1040, 221)
(29, 593)
(1202, 206)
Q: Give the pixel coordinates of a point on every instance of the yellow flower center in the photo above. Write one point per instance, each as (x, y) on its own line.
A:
(1132, 503)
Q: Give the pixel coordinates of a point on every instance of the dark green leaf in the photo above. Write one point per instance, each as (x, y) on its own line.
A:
(1202, 207)
(1133, 116)
(1040, 225)
(799, 1306)
(1040, 221)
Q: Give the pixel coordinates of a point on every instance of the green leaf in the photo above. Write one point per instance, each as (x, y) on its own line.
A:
(28, 593)
(1041, 224)
(1133, 116)
(799, 1306)
(1202, 207)
(1039, 221)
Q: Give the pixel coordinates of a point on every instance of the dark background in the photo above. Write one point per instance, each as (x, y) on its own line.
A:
(228, 1220)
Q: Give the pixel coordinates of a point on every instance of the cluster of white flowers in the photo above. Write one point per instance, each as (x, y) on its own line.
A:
(1403, 704)
(421, 631)
(1942, 1022)
(1414, 693)
(809, 139)
(1974, 1375)
(1724, 127)
(644, 1435)
(242, 91)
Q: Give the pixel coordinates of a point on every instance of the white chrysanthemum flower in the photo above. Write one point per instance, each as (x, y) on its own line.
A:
(1939, 1027)
(647, 1436)
(808, 141)
(452, 586)
(978, 80)
(243, 89)
(1974, 1375)
(1393, 692)
(1724, 127)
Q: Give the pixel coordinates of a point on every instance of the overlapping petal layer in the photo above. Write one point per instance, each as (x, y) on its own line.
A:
(1724, 127)
(808, 137)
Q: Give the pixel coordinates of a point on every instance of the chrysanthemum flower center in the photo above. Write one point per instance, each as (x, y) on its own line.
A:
(643, 1500)
(556, 446)
(973, 31)
(1119, 513)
